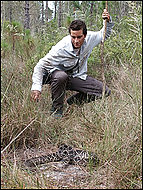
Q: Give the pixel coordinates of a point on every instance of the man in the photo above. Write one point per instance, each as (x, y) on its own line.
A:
(65, 67)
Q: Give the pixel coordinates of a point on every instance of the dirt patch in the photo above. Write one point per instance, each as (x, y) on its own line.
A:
(66, 176)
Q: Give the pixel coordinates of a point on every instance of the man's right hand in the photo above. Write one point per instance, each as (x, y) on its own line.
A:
(105, 15)
(35, 95)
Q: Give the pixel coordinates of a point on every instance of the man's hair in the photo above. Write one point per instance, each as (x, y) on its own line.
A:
(78, 25)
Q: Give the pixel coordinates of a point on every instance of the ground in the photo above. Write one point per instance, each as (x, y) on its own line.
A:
(72, 176)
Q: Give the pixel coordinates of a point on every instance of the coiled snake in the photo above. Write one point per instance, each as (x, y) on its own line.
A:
(66, 154)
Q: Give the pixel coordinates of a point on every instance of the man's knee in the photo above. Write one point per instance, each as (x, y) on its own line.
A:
(60, 76)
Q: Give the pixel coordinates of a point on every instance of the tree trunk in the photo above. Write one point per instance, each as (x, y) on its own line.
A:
(10, 11)
(60, 14)
(46, 12)
(42, 13)
(2, 11)
(55, 10)
(91, 13)
(27, 16)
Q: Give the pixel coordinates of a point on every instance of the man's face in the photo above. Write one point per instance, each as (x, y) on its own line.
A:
(77, 38)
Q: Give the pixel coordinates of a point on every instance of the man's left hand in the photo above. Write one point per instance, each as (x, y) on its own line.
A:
(105, 15)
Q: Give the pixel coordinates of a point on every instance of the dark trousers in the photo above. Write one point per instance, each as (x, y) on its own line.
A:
(87, 90)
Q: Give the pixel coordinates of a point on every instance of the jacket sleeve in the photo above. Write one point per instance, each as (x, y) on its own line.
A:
(94, 38)
(110, 25)
(37, 76)
(48, 62)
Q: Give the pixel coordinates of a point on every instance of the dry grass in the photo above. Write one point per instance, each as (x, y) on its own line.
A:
(111, 129)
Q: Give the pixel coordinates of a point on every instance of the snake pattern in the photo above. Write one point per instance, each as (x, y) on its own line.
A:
(67, 155)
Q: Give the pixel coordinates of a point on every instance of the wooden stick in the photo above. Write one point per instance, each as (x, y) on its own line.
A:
(102, 57)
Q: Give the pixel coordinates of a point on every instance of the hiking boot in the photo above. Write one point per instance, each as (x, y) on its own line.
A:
(72, 100)
(78, 99)
(81, 98)
(57, 113)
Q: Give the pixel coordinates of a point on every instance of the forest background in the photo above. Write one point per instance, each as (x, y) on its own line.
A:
(112, 129)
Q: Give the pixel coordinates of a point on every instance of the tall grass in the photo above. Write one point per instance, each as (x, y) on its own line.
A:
(112, 130)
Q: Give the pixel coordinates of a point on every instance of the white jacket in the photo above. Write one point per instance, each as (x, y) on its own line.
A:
(62, 56)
